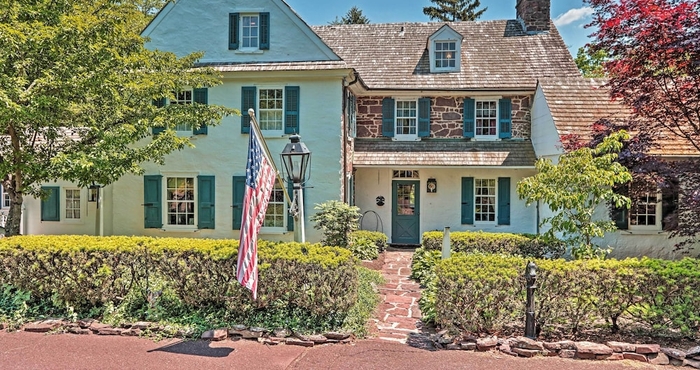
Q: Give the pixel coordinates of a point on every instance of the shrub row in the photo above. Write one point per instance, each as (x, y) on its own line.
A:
(366, 245)
(483, 293)
(85, 272)
(526, 245)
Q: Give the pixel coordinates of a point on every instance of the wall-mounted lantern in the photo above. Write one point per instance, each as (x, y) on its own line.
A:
(432, 185)
(94, 192)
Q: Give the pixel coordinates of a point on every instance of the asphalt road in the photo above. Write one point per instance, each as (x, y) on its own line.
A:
(29, 351)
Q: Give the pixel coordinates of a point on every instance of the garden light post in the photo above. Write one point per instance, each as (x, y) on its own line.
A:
(295, 158)
(530, 277)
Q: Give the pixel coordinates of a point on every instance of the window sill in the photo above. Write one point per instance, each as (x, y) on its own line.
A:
(178, 230)
(405, 138)
(279, 231)
(251, 51)
(643, 232)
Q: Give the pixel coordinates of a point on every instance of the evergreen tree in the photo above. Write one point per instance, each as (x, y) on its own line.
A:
(454, 10)
(353, 16)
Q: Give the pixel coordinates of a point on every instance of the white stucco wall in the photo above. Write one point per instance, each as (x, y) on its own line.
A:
(186, 26)
(443, 208)
(545, 137)
(86, 225)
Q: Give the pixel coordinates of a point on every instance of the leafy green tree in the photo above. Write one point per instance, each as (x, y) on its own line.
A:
(77, 87)
(353, 16)
(337, 220)
(454, 10)
(590, 62)
(582, 181)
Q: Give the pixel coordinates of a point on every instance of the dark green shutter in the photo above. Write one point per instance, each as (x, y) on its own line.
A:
(504, 118)
(388, 117)
(424, 117)
(504, 200)
(621, 217)
(205, 202)
(469, 117)
(264, 31)
(238, 193)
(290, 219)
(291, 109)
(152, 199)
(248, 98)
(51, 206)
(233, 31)
(159, 103)
(467, 200)
(201, 96)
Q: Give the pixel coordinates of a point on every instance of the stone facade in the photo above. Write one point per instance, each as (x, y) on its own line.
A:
(534, 14)
(445, 117)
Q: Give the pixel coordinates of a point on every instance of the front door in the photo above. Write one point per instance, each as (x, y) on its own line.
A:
(405, 219)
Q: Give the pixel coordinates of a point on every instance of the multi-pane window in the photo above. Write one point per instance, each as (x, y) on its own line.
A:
(271, 110)
(485, 200)
(180, 201)
(486, 118)
(643, 211)
(406, 117)
(182, 97)
(72, 204)
(249, 31)
(275, 215)
(5, 198)
(405, 174)
(445, 54)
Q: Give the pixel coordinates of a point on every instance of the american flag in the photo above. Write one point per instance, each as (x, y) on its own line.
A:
(260, 178)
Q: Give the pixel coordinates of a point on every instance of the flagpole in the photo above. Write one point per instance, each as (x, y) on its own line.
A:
(254, 125)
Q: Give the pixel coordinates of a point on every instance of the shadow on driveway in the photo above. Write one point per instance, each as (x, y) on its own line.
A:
(194, 348)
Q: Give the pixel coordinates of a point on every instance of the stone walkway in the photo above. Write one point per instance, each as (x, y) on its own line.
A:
(399, 315)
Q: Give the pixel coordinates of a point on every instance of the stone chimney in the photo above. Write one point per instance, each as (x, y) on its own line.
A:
(534, 14)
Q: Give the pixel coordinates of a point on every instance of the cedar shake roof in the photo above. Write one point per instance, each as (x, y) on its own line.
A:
(445, 152)
(577, 103)
(495, 55)
(276, 66)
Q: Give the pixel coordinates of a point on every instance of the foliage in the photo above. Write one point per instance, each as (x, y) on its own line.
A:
(482, 293)
(367, 301)
(454, 10)
(76, 89)
(590, 63)
(366, 245)
(353, 16)
(337, 220)
(503, 243)
(574, 188)
(303, 287)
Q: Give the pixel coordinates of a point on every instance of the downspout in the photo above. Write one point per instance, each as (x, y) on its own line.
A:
(23, 230)
(538, 218)
(345, 133)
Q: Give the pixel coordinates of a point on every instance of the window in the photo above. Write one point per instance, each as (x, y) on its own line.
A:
(275, 215)
(271, 109)
(5, 198)
(72, 204)
(277, 219)
(277, 109)
(405, 174)
(406, 119)
(182, 98)
(180, 201)
(445, 54)
(185, 97)
(486, 200)
(249, 31)
(486, 118)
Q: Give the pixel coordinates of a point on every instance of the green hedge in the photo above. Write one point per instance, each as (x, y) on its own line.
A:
(366, 245)
(85, 273)
(482, 293)
(526, 245)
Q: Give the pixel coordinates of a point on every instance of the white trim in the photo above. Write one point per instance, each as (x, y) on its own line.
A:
(405, 137)
(657, 227)
(493, 137)
(82, 193)
(495, 203)
(164, 200)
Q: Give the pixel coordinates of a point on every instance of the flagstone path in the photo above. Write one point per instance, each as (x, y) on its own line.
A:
(398, 312)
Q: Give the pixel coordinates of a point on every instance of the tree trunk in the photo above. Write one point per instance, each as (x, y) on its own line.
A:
(14, 217)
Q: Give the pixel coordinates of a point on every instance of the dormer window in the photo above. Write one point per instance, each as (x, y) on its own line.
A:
(444, 49)
(249, 32)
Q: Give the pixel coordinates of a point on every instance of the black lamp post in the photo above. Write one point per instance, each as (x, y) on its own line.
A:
(295, 158)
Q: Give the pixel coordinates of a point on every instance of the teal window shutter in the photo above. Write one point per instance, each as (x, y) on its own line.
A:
(152, 200)
(620, 216)
(248, 98)
(238, 193)
(291, 109)
(264, 31)
(467, 200)
(424, 117)
(504, 118)
(51, 206)
(504, 200)
(469, 117)
(159, 103)
(201, 96)
(205, 202)
(388, 117)
(233, 37)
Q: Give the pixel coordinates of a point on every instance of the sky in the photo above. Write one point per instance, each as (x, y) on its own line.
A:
(569, 15)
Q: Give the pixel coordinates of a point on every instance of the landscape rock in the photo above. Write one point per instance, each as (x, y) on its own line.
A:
(108, 331)
(658, 359)
(3, 326)
(562, 344)
(40, 327)
(526, 352)
(648, 348)
(453, 346)
(131, 332)
(693, 352)
(97, 326)
(691, 363)
(527, 343)
(78, 330)
(317, 339)
(505, 348)
(616, 356)
(634, 356)
(485, 344)
(85, 323)
(215, 335)
(143, 325)
(586, 356)
(673, 353)
(567, 353)
(336, 335)
(621, 346)
(468, 346)
(592, 348)
(298, 342)
(281, 333)
(676, 362)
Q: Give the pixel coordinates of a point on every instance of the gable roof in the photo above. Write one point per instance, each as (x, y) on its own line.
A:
(576, 103)
(495, 55)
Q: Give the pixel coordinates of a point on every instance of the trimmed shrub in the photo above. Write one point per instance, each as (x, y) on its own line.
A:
(366, 245)
(337, 220)
(526, 245)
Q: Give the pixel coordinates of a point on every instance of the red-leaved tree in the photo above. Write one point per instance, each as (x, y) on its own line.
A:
(653, 66)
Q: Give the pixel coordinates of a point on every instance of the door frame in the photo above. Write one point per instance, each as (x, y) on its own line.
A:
(415, 217)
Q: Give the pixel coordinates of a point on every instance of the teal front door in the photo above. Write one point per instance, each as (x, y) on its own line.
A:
(405, 219)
